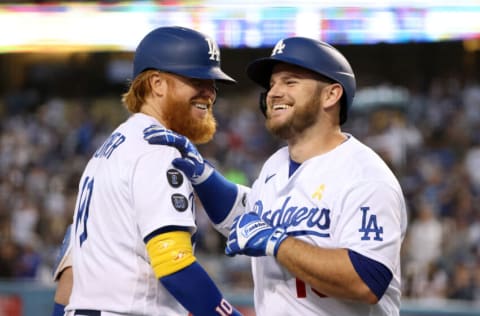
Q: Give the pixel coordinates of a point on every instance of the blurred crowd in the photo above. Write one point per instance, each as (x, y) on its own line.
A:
(431, 140)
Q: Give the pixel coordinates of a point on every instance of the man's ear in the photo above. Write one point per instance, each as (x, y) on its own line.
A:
(332, 94)
(157, 83)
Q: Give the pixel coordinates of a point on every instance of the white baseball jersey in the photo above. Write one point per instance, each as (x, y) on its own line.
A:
(128, 190)
(346, 198)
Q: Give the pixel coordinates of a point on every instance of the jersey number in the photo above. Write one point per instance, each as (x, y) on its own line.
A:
(302, 289)
(83, 208)
(224, 309)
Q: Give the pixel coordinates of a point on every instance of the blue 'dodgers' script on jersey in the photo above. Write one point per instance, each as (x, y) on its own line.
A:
(293, 216)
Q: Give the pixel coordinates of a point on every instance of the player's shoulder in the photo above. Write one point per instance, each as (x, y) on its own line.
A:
(133, 129)
(357, 147)
(365, 162)
(278, 157)
(273, 163)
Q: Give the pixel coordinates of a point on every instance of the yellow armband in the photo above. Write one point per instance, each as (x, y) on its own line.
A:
(170, 252)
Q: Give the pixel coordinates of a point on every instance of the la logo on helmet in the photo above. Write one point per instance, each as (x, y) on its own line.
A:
(279, 47)
(213, 49)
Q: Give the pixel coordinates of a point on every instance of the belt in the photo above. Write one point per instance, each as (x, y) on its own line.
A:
(87, 312)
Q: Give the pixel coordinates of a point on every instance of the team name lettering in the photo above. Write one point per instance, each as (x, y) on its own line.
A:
(370, 225)
(292, 216)
(109, 145)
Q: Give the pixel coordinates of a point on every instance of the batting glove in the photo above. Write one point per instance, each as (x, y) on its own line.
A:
(192, 163)
(251, 236)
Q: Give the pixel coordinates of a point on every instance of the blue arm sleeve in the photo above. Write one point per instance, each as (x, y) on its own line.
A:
(373, 273)
(58, 310)
(194, 289)
(217, 195)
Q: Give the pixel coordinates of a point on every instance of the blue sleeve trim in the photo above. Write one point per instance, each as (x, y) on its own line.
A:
(217, 195)
(194, 289)
(164, 230)
(373, 273)
(58, 310)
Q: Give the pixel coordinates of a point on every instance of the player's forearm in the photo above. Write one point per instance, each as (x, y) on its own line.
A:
(218, 196)
(63, 291)
(196, 291)
(328, 271)
(64, 286)
(222, 200)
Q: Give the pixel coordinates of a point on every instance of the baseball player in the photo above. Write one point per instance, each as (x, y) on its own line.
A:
(326, 217)
(132, 232)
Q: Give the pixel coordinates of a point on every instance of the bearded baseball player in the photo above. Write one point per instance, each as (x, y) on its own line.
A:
(326, 217)
(132, 231)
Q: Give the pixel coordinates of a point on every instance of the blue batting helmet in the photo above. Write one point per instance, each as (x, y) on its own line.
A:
(181, 51)
(313, 55)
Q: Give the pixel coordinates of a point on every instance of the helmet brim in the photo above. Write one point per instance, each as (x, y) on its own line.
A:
(213, 73)
(261, 69)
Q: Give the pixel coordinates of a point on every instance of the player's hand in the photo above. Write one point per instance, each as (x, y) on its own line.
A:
(251, 236)
(192, 163)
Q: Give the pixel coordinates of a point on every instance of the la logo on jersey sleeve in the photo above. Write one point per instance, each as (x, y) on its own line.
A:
(370, 225)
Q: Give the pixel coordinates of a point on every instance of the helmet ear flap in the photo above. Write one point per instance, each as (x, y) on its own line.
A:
(263, 103)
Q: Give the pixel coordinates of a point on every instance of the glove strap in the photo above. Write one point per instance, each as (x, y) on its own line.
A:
(274, 241)
(207, 172)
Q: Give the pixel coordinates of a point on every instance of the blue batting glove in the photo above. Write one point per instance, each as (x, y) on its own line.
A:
(251, 236)
(192, 163)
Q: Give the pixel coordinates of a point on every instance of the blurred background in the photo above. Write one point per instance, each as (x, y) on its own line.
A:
(65, 64)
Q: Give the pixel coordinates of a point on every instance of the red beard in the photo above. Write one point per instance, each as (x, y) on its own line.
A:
(179, 118)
